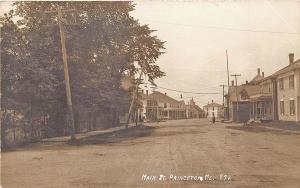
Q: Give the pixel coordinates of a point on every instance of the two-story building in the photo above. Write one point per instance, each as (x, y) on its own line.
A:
(158, 106)
(288, 91)
(278, 95)
(214, 110)
(263, 106)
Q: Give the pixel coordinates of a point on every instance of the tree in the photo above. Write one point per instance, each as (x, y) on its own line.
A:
(103, 44)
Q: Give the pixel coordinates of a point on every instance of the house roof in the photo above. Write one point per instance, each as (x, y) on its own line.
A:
(164, 98)
(264, 79)
(198, 108)
(213, 104)
(290, 67)
(256, 78)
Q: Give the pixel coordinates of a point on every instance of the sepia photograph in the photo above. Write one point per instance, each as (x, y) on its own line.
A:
(150, 94)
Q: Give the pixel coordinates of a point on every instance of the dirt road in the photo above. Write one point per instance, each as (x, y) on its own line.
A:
(170, 154)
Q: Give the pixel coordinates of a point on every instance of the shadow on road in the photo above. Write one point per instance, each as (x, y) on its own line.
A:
(261, 129)
(115, 136)
(102, 138)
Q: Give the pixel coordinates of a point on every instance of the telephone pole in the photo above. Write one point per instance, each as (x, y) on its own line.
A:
(228, 85)
(155, 105)
(223, 86)
(237, 97)
(70, 115)
(133, 99)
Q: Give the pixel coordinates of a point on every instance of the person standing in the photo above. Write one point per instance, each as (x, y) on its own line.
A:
(213, 118)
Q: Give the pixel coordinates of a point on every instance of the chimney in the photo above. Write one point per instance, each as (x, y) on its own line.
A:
(263, 74)
(258, 71)
(291, 58)
(247, 82)
(147, 92)
(232, 82)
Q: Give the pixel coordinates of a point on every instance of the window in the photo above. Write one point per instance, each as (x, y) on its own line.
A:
(281, 85)
(282, 107)
(291, 82)
(244, 94)
(292, 107)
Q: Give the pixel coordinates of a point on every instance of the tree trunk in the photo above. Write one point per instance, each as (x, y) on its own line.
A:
(89, 121)
(3, 129)
(24, 130)
(76, 121)
(31, 122)
(94, 121)
(136, 117)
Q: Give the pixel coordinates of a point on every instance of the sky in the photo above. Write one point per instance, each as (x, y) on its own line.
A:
(197, 34)
(256, 33)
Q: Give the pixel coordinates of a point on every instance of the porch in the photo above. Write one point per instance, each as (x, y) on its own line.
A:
(261, 107)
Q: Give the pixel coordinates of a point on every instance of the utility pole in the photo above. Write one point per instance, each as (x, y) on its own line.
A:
(133, 98)
(70, 115)
(136, 107)
(137, 115)
(237, 97)
(223, 86)
(228, 86)
(156, 106)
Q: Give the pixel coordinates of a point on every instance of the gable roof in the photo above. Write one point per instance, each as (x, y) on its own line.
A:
(268, 78)
(164, 98)
(290, 67)
(198, 108)
(256, 78)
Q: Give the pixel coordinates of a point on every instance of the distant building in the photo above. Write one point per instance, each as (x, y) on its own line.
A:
(157, 106)
(170, 108)
(193, 110)
(214, 109)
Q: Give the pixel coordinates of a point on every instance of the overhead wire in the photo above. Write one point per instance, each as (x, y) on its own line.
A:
(226, 28)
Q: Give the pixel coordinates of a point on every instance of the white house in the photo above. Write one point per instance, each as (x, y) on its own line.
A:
(214, 109)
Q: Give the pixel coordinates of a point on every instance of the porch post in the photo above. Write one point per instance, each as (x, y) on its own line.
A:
(296, 87)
